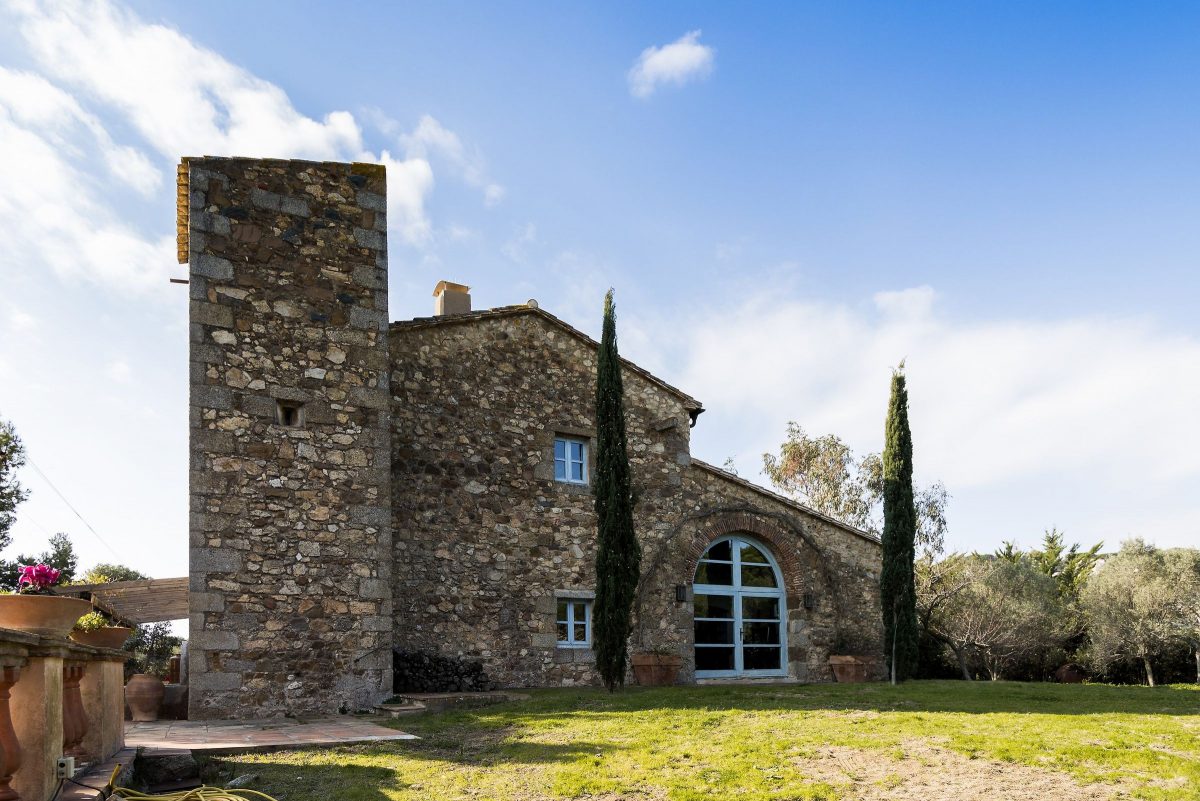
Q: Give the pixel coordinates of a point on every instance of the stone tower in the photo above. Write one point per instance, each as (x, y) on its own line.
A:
(290, 538)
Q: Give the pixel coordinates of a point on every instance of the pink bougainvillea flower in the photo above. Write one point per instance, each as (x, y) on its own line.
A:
(38, 577)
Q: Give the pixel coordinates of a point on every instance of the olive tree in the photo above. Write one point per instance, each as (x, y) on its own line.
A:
(992, 613)
(1183, 570)
(1130, 608)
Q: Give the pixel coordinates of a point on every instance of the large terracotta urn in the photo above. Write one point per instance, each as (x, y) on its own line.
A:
(655, 669)
(47, 615)
(144, 694)
(848, 669)
(105, 637)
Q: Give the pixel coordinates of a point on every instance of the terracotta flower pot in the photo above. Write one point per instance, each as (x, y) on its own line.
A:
(47, 615)
(655, 670)
(848, 669)
(144, 694)
(105, 637)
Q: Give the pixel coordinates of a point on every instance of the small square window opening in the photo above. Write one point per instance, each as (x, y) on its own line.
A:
(570, 460)
(574, 623)
(289, 413)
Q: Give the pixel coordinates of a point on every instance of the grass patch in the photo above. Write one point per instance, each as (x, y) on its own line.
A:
(756, 743)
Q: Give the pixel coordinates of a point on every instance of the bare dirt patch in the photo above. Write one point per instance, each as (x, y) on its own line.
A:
(924, 772)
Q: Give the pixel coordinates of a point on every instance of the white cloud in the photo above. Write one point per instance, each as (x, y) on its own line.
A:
(35, 104)
(674, 64)
(409, 183)
(51, 214)
(430, 138)
(517, 247)
(181, 99)
(493, 194)
(1084, 422)
(19, 321)
(910, 303)
(119, 371)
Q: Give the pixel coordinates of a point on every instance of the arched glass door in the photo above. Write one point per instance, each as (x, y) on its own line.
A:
(739, 608)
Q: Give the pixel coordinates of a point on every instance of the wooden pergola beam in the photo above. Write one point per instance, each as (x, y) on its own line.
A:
(145, 601)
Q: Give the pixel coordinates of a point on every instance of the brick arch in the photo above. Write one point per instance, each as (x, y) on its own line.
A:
(673, 558)
(785, 545)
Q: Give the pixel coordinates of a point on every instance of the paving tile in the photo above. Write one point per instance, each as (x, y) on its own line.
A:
(219, 735)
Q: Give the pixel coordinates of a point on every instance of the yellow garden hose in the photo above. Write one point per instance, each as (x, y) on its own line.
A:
(195, 794)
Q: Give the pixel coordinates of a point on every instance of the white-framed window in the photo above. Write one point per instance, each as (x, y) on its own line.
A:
(574, 623)
(570, 460)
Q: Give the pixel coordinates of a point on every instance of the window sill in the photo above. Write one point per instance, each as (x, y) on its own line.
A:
(571, 488)
(573, 646)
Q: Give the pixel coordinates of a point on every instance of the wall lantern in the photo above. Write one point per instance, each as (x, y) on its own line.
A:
(680, 593)
(810, 601)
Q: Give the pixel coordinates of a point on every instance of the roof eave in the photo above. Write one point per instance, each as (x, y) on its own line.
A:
(693, 406)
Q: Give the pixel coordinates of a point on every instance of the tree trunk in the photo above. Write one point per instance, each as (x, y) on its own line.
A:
(960, 653)
(1198, 664)
(893, 645)
(1149, 670)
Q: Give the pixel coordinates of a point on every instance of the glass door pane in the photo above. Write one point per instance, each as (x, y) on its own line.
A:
(760, 658)
(714, 620)
(715, 626)
(760, 627)
(714, 659)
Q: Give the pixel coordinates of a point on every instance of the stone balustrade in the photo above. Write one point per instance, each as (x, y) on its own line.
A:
(56, 698)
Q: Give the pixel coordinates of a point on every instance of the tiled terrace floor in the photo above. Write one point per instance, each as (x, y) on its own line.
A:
(227, 736)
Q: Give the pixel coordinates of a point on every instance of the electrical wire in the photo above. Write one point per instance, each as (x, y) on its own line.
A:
(95, 534)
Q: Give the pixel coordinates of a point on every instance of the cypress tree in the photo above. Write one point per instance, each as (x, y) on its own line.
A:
(618, 554)
(896, 585)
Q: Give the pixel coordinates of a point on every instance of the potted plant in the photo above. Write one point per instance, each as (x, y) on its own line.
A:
(656, 667)
(35, 609)
(96, 630)
(847, 667)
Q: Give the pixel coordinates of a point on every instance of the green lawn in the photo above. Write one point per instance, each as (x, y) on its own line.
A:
(927, 740)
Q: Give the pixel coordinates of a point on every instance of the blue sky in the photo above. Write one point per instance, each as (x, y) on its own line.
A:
(787, 198)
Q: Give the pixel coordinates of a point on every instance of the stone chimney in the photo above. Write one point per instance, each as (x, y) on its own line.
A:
(451, 298)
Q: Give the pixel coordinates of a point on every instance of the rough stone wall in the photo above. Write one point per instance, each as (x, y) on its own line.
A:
(484, 535)
(486, 539)
(291, 590)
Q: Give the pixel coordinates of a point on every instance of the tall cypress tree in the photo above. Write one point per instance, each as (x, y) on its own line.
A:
(896, 585)
(618, 554)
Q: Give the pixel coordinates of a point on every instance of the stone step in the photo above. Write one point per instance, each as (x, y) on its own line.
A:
(415, 703)
(403, 709)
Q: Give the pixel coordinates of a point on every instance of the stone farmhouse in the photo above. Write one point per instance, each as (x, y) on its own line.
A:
(359, 485)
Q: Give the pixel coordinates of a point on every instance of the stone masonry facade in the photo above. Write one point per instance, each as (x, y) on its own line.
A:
(487, 541)
(358, 486)
(291, 586)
